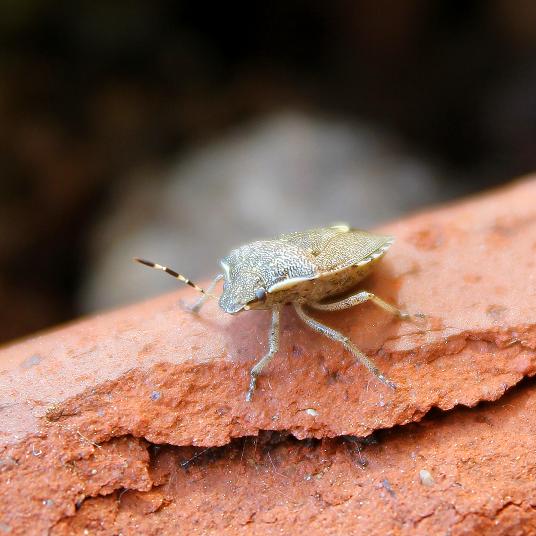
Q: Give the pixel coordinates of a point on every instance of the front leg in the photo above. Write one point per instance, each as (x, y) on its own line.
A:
(346, 342)
(274, 346)
(356, 299)
(196, 307)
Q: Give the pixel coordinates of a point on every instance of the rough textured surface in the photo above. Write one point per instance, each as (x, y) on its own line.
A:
(49, 477)
(155, 372)
(337, 486)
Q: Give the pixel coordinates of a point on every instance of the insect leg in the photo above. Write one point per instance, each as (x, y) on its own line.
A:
(356, 299)
(274, 346)
(195, 307)
(345, 341)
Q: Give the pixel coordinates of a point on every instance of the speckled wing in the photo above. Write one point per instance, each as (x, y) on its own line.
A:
(315, 240)
(353, 248)
(270, 261)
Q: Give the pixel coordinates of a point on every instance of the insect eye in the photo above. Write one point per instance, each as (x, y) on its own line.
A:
(260, 294)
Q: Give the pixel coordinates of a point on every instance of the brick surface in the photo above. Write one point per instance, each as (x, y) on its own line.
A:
(154, 373)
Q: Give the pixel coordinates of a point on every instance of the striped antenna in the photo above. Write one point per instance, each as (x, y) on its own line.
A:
(174, 274)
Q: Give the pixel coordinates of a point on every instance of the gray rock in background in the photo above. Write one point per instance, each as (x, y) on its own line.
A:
(284, 173)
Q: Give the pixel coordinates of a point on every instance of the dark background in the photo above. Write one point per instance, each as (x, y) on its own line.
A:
(93, 92)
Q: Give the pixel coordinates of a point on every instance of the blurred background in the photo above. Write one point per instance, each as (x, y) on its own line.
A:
(175, 130)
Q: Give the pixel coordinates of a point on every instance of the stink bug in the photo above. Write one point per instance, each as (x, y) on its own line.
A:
(315, 269)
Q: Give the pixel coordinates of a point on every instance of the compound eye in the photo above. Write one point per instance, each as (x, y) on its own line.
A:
(260, 294)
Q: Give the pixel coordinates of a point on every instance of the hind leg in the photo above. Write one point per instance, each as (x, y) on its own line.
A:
(346, 342)
(356, 299)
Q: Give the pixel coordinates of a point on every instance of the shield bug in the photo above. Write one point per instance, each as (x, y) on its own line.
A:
(315, 269)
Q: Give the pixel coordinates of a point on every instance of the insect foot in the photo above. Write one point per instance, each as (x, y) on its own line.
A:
(252, 386)
(387, 381)
(415, 318)
(193, 308)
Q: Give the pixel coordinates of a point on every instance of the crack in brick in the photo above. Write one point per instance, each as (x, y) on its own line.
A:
(325, 479)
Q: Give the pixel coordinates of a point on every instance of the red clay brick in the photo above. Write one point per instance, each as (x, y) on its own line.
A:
(155, 372)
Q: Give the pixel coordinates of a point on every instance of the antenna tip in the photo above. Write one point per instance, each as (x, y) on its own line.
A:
(143, 261)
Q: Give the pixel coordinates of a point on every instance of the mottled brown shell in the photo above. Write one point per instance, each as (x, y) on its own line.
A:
(308, 266)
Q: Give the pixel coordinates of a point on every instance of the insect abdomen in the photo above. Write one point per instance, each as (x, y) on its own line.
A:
(322, 287)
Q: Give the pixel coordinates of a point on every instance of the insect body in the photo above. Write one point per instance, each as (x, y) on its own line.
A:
(315, 269)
